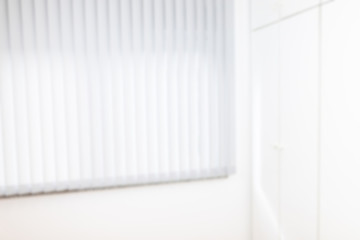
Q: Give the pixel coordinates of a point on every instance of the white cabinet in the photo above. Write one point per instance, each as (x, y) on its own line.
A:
(286, 102)
(340, 133)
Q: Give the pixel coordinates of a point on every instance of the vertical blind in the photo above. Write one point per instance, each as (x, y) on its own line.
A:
(101, 93)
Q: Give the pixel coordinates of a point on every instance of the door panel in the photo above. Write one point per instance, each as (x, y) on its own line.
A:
(266, 128)
(340, 133)
(299, 126)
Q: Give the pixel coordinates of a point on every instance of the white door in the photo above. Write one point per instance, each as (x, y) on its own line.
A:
(299, 126)
(286, 129)
(340, 134)
(265, 70)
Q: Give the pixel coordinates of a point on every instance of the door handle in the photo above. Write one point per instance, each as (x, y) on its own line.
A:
(278, 146)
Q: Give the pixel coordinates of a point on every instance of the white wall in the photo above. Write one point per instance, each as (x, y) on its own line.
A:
(214, 209)
(209, 209)
(306, 98)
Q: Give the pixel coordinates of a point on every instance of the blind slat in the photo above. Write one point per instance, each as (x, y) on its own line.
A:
(112, 93)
